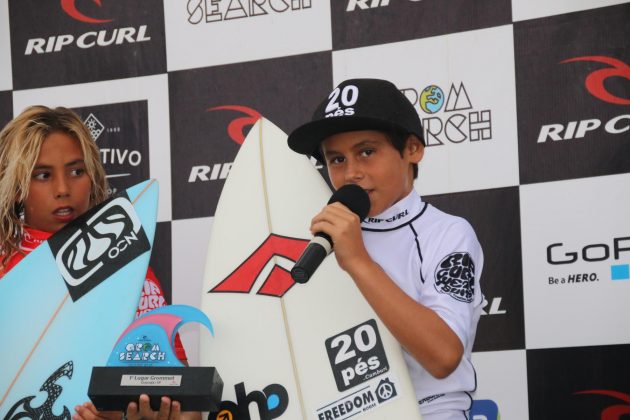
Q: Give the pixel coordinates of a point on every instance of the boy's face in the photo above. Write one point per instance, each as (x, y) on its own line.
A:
(368, 159)
(59, 190)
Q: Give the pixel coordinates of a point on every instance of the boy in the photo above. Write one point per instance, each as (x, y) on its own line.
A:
(417, 266)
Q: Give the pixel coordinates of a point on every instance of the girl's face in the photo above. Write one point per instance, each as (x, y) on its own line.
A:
(60, 187)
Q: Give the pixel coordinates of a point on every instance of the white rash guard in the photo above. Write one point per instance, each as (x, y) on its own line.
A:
(436, 259)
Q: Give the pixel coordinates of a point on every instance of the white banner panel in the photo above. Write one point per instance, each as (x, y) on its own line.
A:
(463, 88)
(530, 9)
(6, 81)
(501, 385)
(152, 89)
(576, 255)
(206, 33)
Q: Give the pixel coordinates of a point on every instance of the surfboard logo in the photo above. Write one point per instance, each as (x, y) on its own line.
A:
(23, 409)
(366, 398)
(272, 402)
(279, 280)
(96, 245)
(357, 355)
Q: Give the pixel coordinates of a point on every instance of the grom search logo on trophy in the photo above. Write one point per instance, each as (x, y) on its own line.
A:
(144, 361)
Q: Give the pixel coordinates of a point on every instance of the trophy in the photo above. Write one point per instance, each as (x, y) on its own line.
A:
(143, 361)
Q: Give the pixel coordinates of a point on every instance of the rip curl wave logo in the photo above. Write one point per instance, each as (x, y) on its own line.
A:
(612, 412)
(236, 128)
(23, 409)
(455, 276)
(70, 7)
(87, 253)
(595, 81)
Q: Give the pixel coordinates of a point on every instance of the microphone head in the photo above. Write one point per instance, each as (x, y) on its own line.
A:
(353, 197)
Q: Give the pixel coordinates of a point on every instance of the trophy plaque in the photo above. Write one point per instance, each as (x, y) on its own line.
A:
(143, 361)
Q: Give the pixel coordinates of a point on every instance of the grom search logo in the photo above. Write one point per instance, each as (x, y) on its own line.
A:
(97, 244)
(449, 116)
(210, 11)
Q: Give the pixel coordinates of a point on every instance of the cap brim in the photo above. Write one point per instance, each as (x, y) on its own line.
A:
(307, 138)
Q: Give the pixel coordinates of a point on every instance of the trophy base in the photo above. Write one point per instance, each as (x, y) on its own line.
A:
(196, 388)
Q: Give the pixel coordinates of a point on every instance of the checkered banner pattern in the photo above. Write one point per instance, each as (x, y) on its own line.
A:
(526, 110)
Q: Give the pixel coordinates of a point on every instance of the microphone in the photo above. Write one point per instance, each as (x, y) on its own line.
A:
(351, 196)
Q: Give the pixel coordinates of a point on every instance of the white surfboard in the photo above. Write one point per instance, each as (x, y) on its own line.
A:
(287, 350)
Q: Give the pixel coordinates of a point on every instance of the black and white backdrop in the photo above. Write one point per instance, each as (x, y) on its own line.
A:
(526, 110)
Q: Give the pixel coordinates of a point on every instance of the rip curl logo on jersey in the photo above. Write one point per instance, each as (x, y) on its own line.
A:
(70, 7)
(96, 245)
(455, 276)
(23, 409)
(279, 279)
(451, 118)
(615, 411)
(595, 81)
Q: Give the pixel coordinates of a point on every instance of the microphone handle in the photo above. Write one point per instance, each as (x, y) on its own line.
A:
(315, 252)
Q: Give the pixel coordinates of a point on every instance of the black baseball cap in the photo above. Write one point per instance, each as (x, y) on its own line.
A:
(357, 104)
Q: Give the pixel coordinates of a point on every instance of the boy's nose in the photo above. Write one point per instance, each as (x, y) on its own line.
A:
(353, 172)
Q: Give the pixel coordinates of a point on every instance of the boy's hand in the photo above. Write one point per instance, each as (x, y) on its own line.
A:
(142, 410)
(344, 227)
(88, 411)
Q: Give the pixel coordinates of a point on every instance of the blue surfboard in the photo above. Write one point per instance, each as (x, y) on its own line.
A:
(63, 307)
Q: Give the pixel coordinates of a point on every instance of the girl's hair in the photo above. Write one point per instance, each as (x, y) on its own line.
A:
(20, 142)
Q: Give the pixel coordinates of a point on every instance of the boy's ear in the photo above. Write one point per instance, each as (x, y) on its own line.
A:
(414, 148)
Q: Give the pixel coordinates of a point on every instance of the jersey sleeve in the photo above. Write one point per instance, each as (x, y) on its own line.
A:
(452, 269)
(152, 297)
